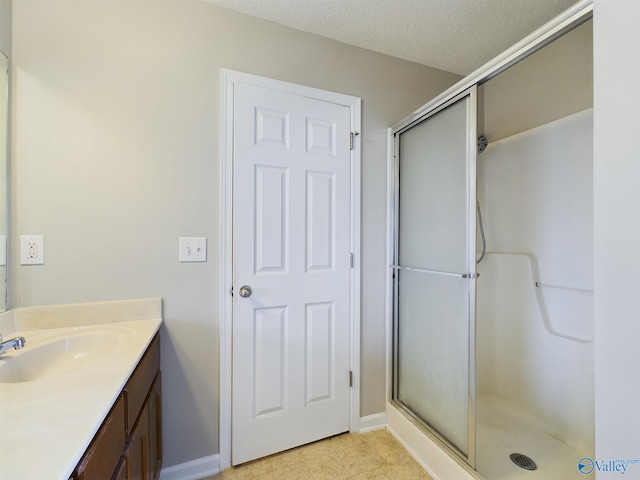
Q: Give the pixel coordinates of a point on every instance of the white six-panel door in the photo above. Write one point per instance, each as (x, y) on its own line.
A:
(291, 247)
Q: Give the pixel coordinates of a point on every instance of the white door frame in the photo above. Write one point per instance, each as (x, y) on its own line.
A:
(229, 77)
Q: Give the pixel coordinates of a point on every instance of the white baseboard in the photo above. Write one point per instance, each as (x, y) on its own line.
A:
(193, 470)
(373, 422)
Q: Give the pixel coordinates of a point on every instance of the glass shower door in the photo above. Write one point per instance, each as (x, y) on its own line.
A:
(434, 272)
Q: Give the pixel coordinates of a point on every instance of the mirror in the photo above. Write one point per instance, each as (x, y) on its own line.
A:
(4, 121)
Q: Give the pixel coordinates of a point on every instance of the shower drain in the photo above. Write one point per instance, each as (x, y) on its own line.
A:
(523, 461)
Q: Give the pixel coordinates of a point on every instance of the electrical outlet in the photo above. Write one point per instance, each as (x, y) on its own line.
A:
(31, 250)
(192, 249)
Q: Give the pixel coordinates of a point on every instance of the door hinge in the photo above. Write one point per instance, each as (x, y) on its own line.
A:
(350, 378)
(470, 275)
(351, 135)
(351, 260)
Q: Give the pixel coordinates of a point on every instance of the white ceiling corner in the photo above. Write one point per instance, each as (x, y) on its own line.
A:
(453, 35)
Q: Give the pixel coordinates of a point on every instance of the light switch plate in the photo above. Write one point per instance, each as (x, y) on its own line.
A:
(193, 249)
(31, 250)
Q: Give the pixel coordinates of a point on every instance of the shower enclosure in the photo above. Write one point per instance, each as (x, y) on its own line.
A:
(492, 362)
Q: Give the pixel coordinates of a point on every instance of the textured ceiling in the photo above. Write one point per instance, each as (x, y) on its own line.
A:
(454, 35)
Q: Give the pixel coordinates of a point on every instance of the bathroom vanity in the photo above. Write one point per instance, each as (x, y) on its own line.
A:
(82, 399)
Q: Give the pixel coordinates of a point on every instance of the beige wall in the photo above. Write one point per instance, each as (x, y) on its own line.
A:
(116, 155)
(553, 83)
(5, 27)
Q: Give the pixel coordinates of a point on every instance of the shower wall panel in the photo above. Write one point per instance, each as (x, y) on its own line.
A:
(536, 194)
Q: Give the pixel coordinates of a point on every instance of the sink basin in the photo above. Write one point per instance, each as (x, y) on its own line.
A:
(55, 357)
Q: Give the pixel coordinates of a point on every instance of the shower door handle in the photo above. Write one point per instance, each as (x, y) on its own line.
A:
(471, 275)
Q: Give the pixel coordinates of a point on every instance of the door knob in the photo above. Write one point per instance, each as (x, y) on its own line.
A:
(245, 291)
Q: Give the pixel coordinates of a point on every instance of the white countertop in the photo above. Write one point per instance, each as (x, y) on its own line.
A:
(46, 424)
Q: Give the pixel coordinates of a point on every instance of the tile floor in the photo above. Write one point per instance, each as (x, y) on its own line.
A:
(374, 455)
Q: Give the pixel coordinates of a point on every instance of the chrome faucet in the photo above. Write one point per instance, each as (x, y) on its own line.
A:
(16, 343)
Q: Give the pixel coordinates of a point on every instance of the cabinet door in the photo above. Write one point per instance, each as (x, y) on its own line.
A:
(155, 428)
(101, 458)
(139, 384)
(137, 452)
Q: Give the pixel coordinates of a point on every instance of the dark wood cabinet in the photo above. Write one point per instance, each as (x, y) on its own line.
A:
(154, 403)
(128, 445)
(103, 454)
(144, 448)
(137, 452)
(121, 471)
